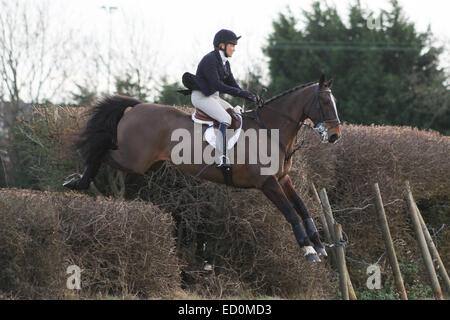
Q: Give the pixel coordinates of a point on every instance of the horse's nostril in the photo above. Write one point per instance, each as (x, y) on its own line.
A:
(333, 138)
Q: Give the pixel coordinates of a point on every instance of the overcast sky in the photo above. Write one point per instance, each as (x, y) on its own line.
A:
(181, 32)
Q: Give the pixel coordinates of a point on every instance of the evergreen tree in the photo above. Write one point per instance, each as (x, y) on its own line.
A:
(252, 84)
(168, 94)
(127, 86)
(386, 74)
(84, 97)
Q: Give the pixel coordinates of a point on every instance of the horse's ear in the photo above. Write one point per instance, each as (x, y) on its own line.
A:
(322, 80)
(330, 83)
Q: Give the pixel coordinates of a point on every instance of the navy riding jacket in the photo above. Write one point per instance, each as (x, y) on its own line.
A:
(212, 75)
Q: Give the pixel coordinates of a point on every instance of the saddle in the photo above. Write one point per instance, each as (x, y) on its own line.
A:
(205, 119)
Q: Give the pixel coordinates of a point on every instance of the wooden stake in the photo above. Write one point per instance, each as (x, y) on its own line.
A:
(326, 228)
(336, 240)
(422, 243)
(341, 265)
(434, 252)
(328, 213)
(388, 243)
(322, 219)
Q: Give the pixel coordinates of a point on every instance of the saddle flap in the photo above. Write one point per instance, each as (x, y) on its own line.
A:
(202, 116)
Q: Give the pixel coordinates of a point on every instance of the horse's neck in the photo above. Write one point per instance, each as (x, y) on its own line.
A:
(292, 105)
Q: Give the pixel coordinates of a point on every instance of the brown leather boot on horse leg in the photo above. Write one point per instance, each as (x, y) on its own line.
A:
(149, 134)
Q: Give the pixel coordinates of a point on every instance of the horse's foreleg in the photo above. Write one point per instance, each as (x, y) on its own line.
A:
(291, 194)
(272, 189)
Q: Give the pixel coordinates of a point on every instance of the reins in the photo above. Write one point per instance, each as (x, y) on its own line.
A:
(288, 155)
(261, 105)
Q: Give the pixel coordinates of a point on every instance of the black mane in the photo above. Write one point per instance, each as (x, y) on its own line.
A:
(289, 91)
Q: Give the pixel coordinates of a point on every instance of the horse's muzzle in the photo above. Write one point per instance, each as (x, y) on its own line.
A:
(333, 138)
(334, 133)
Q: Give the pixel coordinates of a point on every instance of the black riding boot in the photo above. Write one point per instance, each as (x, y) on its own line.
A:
(223, 158)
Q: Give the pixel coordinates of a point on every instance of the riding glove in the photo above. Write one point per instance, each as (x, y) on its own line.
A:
(248, 95)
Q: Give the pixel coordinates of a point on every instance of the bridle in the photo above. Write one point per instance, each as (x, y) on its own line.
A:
(320, 127)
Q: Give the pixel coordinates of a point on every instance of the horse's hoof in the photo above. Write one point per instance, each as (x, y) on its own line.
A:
(311, 254)
(321, 252)
(71, 181)
(312, 257)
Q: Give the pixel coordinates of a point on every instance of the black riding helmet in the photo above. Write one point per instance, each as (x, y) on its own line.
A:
(225, 36)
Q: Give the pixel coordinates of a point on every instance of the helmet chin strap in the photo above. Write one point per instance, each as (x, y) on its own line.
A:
(225, 50)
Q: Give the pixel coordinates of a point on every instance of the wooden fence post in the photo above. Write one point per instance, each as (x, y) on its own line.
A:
(434, 252)
(336, 240)
(326, 228)
(388, 243)
(322, 218)
(341, 264)
(328, 213)
(422, 243)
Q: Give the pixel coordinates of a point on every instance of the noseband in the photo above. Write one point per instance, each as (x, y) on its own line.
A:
(320, 127)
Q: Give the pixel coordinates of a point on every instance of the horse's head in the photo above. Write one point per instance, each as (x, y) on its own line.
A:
(323, 113)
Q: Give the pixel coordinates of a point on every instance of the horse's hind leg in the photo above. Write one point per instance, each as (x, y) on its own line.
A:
(300, 207)
(88, 175)
(122, 161)
(273, 190)
(77, 182)
(115, 159)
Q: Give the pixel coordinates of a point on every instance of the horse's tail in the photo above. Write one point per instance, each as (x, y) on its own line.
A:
(100, 132)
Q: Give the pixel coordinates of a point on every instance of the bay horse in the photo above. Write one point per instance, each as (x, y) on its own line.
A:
(135, 137)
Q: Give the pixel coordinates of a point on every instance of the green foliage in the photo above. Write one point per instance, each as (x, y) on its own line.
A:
(168, 94)
(252, 84)
(43, 155)
(387, 75)
(85, 95)
(415, 289)
(419, 291)
(133, 88)
(381, 294)
(408, 269)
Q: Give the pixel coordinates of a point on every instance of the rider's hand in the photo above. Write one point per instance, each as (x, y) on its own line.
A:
(238, 109)
(249, 96)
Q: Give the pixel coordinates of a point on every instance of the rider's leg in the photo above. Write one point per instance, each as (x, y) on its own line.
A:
(221, 145)
(223, 103)
(213, 107)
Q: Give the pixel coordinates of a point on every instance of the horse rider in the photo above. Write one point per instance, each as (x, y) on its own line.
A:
(214, 76)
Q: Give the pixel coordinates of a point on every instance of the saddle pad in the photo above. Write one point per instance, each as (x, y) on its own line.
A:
(208, 123)
(210, 136)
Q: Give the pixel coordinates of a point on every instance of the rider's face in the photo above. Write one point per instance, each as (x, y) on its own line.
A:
(229, 49)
